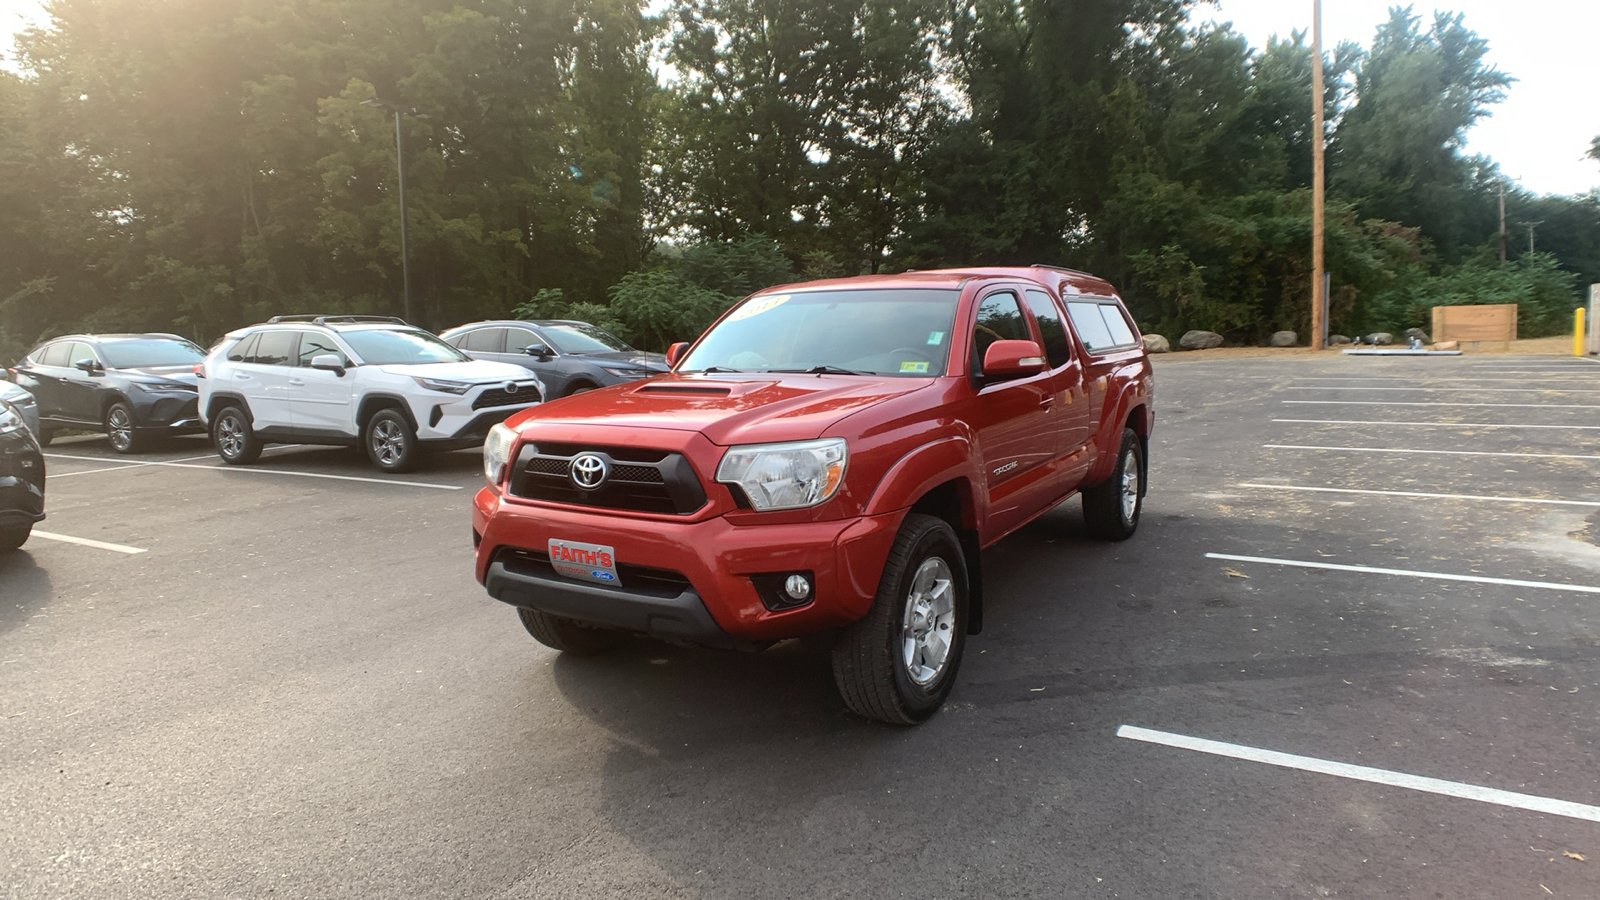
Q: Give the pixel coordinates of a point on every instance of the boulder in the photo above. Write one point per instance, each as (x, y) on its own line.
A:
(1200, 340)
(1285, 339)
(1155, 343)
(1419, 334)
(1335, 340)
(1380, 339)
(1447, 345)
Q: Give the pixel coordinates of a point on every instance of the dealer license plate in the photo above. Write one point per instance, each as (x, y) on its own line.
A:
(585, 562)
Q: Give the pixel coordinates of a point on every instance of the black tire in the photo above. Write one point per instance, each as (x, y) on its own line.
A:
(390, 441)
(874, 659)
(234, 437)
(45, 436)
(120, 428)
(1111, 509)
(578, 387)
(568, 636)
(14, 536)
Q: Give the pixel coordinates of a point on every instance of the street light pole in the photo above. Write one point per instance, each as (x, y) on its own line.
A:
(1318, 195)
(400, 162)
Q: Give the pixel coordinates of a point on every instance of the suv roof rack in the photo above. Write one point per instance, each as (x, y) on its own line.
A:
(339, 320)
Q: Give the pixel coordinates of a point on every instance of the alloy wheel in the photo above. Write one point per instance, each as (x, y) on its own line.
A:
(119, 429)
(928, 623)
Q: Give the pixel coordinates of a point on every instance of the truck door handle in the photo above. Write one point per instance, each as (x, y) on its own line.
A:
(1046, 402)
(241, 376)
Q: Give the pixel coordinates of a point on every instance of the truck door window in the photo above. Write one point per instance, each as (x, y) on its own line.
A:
(999, 319)
(1057, 348)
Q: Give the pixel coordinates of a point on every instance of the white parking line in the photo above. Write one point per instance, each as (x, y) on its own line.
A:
(1438, 452)
(1328, 490)
(226, 468)
(1408, 573)
(1437, 403)
(85, 542)
(1347, 422)
(1429, 390)
(1421, 783)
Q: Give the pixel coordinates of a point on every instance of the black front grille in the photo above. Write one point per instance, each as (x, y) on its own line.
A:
(635, 579)
(499, 396)
(653, 481)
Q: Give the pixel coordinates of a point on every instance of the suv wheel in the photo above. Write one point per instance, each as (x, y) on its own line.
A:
(568, 636)
(390, 441)
(235, 440)
(1111, 509)
(14, 536)
(898, 664)
(119, 429)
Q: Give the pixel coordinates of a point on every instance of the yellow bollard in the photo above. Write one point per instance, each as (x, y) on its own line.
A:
(1577, 331)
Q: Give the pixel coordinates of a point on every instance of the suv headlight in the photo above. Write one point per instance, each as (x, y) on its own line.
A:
(10, 419)
(163, 387)
(497, 453)
(628, 373)
(786, 476)
(439, 384)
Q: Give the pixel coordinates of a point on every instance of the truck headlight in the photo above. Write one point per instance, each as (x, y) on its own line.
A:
(497, 453)
(786, 476)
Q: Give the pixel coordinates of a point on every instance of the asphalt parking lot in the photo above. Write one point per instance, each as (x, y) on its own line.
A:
(1353, 651)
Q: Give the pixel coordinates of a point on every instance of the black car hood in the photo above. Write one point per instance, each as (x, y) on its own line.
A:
(183, 374)
(655, 362)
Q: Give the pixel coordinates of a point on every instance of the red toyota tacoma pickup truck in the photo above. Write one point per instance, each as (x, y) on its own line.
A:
(828, 457)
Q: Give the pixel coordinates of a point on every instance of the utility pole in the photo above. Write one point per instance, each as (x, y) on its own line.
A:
(1502, 224)
(1531, 226)
(400, 161)
(1318, 195)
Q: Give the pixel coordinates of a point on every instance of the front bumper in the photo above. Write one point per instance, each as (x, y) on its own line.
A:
(21, 482)
(699, 587)
(447, 420)
(169, 414)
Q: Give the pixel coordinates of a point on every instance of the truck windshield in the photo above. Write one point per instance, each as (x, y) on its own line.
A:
(383, 347)
(870, 332)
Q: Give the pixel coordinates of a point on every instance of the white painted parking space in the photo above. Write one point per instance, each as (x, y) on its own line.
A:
(1439, 390)
(85, 542)
(1421, 783)
(1350, 423)
(1318, 448)
(221, 467)
(1438, 403)
(1406, 573)
(1419, 494)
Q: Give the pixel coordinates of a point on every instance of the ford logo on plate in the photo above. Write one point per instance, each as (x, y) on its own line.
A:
(588, 471)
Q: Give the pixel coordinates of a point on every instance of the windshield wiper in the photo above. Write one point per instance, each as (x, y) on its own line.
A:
(819, 370)
(712, 370)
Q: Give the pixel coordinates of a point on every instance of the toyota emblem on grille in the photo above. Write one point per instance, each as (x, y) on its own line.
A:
(588, 471)
(511, 387)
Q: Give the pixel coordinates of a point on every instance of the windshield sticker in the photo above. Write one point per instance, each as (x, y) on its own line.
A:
(910, 367)
(758, 306)
(935, 338)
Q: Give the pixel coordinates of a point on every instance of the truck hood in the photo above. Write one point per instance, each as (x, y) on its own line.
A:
(739, 409)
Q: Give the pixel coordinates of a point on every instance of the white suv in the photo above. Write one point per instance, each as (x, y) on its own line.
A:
(377, 381)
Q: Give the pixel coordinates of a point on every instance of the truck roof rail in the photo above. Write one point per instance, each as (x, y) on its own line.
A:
(338, 320)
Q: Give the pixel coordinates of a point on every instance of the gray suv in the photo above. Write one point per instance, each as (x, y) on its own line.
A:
(569, 357)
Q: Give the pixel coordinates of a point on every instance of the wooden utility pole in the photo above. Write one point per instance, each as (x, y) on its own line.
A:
(1318, 196)
(1502, 224)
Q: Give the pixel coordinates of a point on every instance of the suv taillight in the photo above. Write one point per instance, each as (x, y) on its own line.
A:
(199, 370)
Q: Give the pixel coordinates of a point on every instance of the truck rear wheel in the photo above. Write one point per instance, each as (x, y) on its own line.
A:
(568, 636)
(898, 664)
(1111, 509)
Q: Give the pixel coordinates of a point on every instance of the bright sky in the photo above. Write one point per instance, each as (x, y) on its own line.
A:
(1541, 131)
(1539, 134)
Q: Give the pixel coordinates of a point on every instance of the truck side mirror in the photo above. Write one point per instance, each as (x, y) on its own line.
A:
(328, 362)
(675, 352)
(1010, 359)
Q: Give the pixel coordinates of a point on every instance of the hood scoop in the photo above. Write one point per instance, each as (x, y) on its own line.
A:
(693, 390)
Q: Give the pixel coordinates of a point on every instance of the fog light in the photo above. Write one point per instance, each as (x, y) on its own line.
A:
(797, 587)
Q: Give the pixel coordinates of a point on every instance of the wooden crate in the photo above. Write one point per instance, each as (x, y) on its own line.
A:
(1476, 325)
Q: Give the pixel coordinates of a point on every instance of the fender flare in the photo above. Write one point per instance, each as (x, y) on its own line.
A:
(947, 458)
(219, 399)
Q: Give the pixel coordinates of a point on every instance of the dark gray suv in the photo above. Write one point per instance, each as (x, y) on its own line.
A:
(568, 356)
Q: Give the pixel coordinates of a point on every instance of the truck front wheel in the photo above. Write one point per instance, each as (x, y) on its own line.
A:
(1111, 509)
(568, 636)
(898, 664)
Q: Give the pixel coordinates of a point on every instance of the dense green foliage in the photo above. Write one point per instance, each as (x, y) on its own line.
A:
(194, 165)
